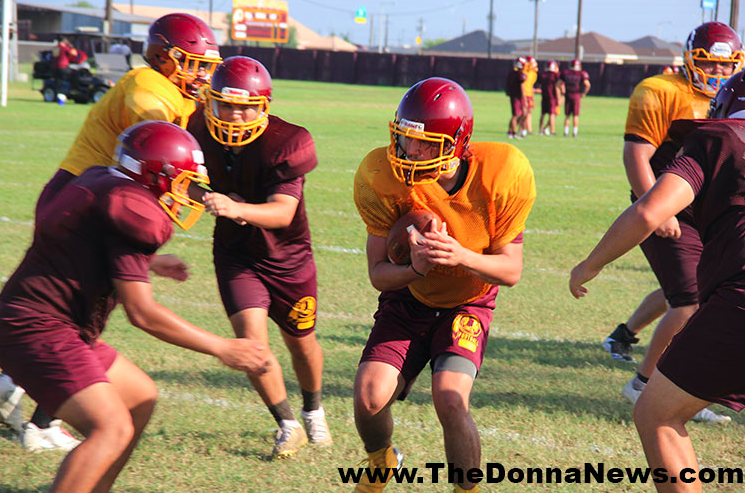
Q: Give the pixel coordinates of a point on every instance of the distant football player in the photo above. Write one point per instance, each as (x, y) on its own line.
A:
(92, 247)
(550, 97)
(514, 90)
(576, 84)
(436, 310)
(257, 164)
(182, 54)
(703, 363)
(712, 52)
(530, 68)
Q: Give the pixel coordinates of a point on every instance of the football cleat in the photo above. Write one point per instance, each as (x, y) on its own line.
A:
(385, 459)
(709, 417)
(619, 344)
(55, 437)
(290, 437)
(10, 403)
(316, 427)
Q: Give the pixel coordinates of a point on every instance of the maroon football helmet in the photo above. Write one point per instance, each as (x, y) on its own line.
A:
(183, 48)
(520, 63)
(430, 132)
(729, 101)
(711, 42)
(239, 80)
(166, 159)
(575, 65)
(552, 66)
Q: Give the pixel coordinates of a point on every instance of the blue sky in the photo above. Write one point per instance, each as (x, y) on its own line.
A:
(623, 20)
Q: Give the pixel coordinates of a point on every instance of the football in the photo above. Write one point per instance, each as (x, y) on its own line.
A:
(398, 237)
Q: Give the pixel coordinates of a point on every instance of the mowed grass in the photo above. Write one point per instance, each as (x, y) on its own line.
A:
(547, 395)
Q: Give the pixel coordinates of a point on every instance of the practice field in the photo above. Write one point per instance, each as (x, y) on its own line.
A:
(548, 396)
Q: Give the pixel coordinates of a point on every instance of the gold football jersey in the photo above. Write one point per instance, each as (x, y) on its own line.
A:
(657, 101)
(487, 213)
(532, 76)
(142, 94)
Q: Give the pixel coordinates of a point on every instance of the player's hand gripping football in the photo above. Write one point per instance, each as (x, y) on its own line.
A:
(581, 274)
(169, 265)
(443, 249)
(244, 355)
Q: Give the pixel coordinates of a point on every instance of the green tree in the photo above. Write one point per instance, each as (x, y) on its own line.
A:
(432, 42)
(82, 4)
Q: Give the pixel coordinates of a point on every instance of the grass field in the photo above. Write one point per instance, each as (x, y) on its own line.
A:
(547, 395)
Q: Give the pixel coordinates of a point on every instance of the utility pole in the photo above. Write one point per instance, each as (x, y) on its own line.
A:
(385, 45)
(209, 17)
(372, 31)
(421, 34)
(108, 21)
(734, 14)
(577, 42)
(491, 27)
(535, 31)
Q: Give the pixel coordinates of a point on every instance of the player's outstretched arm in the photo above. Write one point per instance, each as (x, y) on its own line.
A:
(143, 312)
(277, 212)
(169, 265)
(670, 195)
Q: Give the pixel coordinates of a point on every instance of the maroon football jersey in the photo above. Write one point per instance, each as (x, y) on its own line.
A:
(101, 226)
(548, 81)
(574, 81)
(713, 164)
(515, 80)
(275, 163)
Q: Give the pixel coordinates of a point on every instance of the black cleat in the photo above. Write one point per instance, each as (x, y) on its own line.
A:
(619, 344)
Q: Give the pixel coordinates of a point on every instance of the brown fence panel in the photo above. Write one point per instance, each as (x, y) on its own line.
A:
(335, 66)
(295, 64)
(459, 69)
(374, 69)
(410, 69)
(491, 74)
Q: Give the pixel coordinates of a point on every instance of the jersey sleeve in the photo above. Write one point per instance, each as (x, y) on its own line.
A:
(515, 194)
(647, 117)
(370, 183)
(144, 104)
(138, 228)
(294, 158)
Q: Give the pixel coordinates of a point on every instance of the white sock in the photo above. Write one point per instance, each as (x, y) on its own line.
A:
(566, 130)
(575, 130)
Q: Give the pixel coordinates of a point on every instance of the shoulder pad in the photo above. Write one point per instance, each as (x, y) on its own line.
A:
(137, 217)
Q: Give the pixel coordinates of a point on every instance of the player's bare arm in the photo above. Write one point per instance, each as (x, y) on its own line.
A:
(157, 320)
(587, 88)
(636, 156)
(387, 276)
(670, 195)
(502, 268)
(277, 212)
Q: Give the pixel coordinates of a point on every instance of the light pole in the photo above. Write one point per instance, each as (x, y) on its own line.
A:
(577, 43)
(491, 28)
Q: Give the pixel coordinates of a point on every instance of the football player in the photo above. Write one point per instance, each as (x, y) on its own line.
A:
(703, 363)
(530, 68)
(437, 309)
(264, 264)
(182, 54)
(514, 90)
(712, 52)
(550, 97)
(576, 84)
(92, 247)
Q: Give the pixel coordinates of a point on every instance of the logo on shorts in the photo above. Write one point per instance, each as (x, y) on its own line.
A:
(466, 331)
(303, 313)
